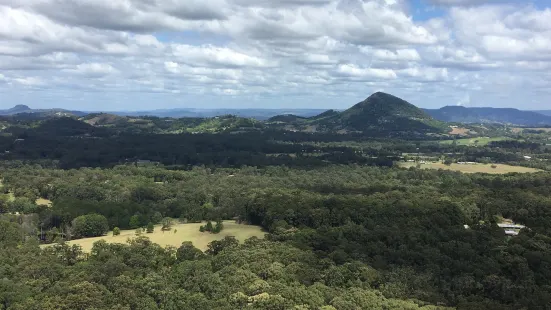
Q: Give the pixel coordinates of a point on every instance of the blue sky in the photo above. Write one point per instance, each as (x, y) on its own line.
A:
(141, 55)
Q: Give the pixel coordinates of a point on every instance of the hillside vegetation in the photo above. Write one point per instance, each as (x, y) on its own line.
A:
(461, 114)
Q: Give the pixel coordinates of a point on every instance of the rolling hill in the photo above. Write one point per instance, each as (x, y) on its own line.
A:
(458, 114)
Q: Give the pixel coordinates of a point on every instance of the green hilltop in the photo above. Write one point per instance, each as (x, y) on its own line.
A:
(380, 114)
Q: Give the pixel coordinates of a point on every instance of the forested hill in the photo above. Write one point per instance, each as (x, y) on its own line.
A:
(384, 112)
(381, 114)
(490, 115)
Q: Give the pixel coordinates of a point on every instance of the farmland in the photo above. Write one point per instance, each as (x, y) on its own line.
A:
(179, 234)
(474, 168)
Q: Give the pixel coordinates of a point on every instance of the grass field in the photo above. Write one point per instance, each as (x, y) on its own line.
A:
(473, 141)
(482, 168)
(184, 232)
(459, 131)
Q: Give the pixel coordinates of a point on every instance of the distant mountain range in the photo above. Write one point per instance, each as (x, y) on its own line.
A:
(259, 114)
(370, 113)
(23, 109)
(458, 114)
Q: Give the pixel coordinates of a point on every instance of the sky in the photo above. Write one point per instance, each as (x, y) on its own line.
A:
(155, 54)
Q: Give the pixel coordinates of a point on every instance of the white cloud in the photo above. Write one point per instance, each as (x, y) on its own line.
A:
(204, 55)
(505, 31)
(93, 69)
(350, 70)
(398, 55)
(284, 52)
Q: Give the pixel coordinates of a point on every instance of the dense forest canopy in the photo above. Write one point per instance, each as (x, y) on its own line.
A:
(346, 227)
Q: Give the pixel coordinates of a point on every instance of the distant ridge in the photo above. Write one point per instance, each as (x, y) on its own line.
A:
(458, 114)
(544, 112)
(259, 114)
(328, 113)
(287, 118)
(23, 109)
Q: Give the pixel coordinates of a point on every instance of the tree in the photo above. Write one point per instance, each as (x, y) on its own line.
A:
(134, 221)
(188, 252)
(10, 233)
(202, 228)
(150, 228)
(116, 231)
(90, 225)
(218, 246)
(167, 223)
(448, 162)
(22, 205)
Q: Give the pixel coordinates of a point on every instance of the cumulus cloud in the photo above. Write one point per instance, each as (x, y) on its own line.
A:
(505, 32)
(331, 52)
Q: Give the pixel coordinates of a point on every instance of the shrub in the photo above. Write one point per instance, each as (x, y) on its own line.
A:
(218, 227)
(150, 228)
(116, 231)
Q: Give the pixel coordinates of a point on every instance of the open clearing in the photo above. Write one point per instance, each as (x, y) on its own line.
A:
(470, 168)
(184, 232)
(460, 131)
(43, 201)
(473, 141)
